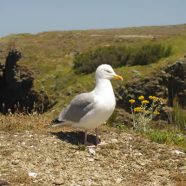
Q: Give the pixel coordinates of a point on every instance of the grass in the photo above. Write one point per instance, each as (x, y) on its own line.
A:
(168, 136)
(179, 117)
(21, 178)
(20, 122)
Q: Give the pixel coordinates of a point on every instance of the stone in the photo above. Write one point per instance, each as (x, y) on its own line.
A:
(3, 183)
(32, 174)
(92, 151)
(59, 181)
(169, 83)
(114, 141)
(15, 162)
(16, 84)
(178, 152)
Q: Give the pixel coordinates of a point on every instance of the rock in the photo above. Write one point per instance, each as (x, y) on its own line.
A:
(178, 152)
(118, 180)
(59, 181)
(138, 154)
(114, 141)
(183, 169)
(16, 84)
(91, 159)
(15, 162)
(32, 174)
(169, 83)
(91, 151)
(3, 183)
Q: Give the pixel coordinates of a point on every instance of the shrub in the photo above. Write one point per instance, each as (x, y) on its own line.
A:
(150, 54)
(88, 62)
(118, 56)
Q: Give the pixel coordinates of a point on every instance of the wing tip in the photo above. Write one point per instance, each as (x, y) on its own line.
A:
(56, 121)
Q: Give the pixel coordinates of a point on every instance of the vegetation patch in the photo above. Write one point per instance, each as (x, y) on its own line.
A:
(118, 56)
(18, 122)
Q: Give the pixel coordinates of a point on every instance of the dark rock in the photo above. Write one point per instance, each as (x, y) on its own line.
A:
(169, 83)
(3, 183)
(16, 87)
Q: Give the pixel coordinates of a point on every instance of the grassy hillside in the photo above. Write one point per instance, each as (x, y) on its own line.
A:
(50, 54)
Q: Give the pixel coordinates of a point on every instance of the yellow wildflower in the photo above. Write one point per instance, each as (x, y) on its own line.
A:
(154, 98)
(141, 98)
(138, 109)
(150, 97)
(132, 101)
(145, 102)
(156, 112)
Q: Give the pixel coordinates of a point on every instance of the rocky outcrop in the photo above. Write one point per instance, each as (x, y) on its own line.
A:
(169, 83)
(16, 87)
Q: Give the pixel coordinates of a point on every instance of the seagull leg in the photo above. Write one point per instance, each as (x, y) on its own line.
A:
(85, 140)
(97, 138)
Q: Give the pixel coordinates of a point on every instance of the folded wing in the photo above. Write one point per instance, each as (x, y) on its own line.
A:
(78, 108)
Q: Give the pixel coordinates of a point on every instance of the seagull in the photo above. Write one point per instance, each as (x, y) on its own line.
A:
(89, 110)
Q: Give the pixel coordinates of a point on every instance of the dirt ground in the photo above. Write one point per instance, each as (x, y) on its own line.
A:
(60, 158)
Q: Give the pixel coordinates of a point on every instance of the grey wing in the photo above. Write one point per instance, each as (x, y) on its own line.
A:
(78, 108)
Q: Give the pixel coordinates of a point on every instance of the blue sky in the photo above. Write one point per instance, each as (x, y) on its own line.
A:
(33, 16)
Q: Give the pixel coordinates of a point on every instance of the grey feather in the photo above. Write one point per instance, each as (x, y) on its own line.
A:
(78, 108)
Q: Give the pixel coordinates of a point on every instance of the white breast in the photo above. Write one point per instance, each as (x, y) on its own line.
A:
(104, 105)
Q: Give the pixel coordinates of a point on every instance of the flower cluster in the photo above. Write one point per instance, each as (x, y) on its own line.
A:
(153, 97)
(144, 110)
(132, 101)
(145, 102)
(141, 98)
(138, 109)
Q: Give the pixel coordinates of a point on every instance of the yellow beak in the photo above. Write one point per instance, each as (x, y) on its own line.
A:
(118, 77)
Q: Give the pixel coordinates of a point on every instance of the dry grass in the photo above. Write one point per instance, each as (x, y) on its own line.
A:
(20, 178)
(19, 122)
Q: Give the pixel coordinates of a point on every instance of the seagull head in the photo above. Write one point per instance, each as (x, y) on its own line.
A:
(106, 72)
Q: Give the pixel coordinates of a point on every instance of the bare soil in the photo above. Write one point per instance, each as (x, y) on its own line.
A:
(60, 158)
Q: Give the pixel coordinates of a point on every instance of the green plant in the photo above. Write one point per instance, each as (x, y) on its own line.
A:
(179, 117)
(158, 136)
(121, 127)
(144, 111)
(118, 56)
(150, 54)
(112, 118)
(167, 136)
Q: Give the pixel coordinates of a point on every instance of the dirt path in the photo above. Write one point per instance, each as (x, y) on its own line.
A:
(29, 158)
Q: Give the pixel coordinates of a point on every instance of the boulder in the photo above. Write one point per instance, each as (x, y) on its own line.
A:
(169, 83)
(16, 87)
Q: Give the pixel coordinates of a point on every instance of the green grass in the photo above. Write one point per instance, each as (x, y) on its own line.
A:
(167, 136)
(179, 117)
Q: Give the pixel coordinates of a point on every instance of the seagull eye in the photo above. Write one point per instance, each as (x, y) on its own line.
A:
(107, 71)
